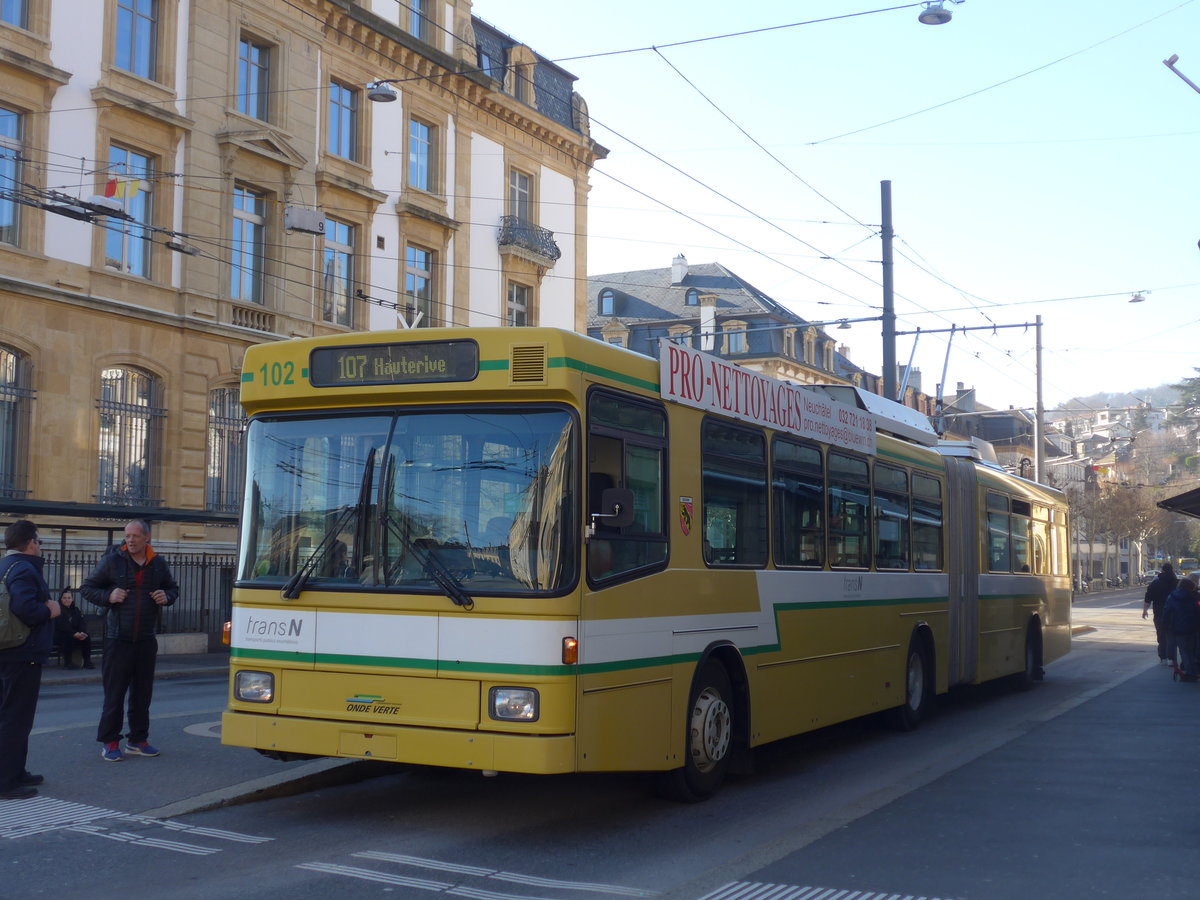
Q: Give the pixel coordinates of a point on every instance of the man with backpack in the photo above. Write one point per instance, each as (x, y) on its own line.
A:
(28, 598)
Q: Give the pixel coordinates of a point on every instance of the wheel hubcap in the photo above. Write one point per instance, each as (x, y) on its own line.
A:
(916, 681)
(710, 730)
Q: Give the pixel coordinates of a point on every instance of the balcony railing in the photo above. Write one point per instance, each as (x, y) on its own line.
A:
(528, 241)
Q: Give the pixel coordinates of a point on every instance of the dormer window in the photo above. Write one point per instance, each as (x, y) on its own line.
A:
(608, 302)
(692, 298)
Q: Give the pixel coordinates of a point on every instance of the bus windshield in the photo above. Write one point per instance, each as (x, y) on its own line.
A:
(449, 502)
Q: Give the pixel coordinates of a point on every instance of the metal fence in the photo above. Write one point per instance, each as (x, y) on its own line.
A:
(205, 586)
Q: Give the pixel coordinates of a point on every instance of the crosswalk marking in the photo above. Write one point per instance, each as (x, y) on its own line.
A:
(464, 890)
(42, 814)
(515, 878)
(756, 890)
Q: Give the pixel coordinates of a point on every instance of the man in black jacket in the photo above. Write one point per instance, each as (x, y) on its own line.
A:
(21, 666)
(131, 584)
(1156, 595)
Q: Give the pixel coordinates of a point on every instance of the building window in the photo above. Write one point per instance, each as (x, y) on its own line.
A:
(249, 241)
(137, 36)
(337, 287)
(10, 175)
(487, 65)
(608, 302)
(692, 297)
(226, 451)
(131, 427)
(681, 335)
(16, 400)
(14, 12)
(520, 195)
(254, 79)
(735, 341)
(418, 286)
(343, 121)
(416, 20)
(517, 314)
(127, 241)
(421, 172)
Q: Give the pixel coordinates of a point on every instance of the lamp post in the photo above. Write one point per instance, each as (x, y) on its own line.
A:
(1170, 61)
(889, 304)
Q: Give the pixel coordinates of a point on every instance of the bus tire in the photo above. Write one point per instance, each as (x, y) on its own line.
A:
(709, 742)
(1032, 671)
(918, 687)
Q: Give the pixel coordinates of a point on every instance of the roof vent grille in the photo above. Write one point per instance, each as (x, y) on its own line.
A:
(528, 364)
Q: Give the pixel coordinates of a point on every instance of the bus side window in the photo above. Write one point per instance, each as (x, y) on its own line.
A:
(999, 542)
(626, 449)
(734, 469)
(849, 507)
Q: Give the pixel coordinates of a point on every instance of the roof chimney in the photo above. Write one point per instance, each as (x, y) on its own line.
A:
(679, 269)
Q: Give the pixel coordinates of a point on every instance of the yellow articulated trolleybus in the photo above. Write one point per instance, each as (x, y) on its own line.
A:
(524, 550)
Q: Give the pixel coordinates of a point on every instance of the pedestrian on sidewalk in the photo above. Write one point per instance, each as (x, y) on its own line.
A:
(132, 583)
(21, 666)
(70, 632)
(1156, 596)
(1181, 617)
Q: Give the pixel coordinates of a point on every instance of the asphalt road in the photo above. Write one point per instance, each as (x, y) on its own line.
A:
(1079, 787)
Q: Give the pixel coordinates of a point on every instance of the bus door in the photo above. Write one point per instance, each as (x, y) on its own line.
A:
(962, 529)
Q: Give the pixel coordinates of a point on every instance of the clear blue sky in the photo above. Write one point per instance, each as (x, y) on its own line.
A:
(1068, 169)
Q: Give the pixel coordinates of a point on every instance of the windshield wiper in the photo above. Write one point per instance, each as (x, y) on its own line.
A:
(425, 557)
(296, 583)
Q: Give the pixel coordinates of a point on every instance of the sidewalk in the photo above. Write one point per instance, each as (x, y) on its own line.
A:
(174, 665)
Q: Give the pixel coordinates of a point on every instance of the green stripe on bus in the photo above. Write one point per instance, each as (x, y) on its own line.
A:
(247, 376)
(559, 362)
(567, 362)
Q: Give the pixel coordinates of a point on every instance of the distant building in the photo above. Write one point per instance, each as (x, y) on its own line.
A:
(710, 308)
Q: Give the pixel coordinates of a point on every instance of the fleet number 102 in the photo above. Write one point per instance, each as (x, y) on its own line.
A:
(277, 374)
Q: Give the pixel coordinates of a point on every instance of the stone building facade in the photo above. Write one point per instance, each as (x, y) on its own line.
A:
(180, 179)
(711, 308)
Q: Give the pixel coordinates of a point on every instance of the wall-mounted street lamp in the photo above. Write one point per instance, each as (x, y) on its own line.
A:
(1138, 297)
(935, 12)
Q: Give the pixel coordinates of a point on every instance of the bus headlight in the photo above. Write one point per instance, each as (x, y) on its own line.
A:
(254, 687)
(510, 704)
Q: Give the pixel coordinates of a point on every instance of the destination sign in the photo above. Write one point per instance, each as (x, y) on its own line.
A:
(367, 364)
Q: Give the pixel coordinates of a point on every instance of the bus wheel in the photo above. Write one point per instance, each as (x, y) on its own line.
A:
(1033, 670)
(709, 738)
(918, 688)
